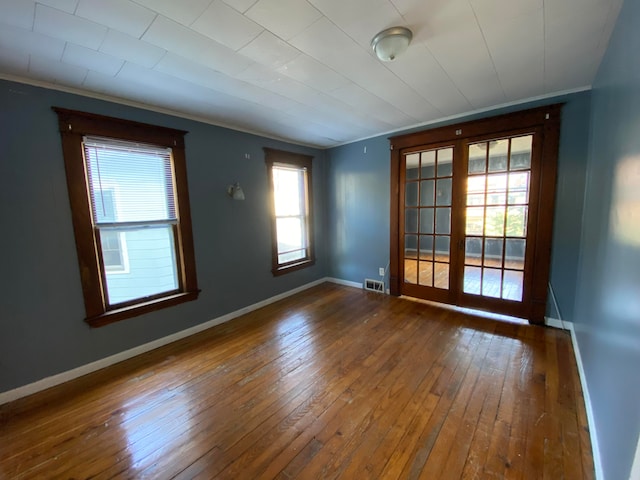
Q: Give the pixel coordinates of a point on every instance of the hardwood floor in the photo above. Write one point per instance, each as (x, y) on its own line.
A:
(333, 382)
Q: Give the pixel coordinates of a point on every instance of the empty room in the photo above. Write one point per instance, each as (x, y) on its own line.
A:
(259, 239)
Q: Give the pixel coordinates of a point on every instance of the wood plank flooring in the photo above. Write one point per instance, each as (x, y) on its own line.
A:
(333, 382)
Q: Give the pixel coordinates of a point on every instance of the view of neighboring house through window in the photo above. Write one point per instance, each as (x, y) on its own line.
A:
(290, 185)
(131, 188)
(128, 193)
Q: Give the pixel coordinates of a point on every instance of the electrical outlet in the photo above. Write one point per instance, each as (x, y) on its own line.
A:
(381, 271)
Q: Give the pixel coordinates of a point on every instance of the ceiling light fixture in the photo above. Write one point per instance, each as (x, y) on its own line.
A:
(390, 43)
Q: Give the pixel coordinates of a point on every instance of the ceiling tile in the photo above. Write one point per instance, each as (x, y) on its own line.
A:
(225, 25)
(53, 22)
(68, 6)
(284, 18)
(269, 50)
(240, 5)
(178, 39)
(56, 72)
(25, 41)
(131, 49)
(419, 69)
(313, 73)
(494, 11)
(14, 62)
(183, 11)
(360, 19)
(122, 15)
(18, 14)
(92, 60)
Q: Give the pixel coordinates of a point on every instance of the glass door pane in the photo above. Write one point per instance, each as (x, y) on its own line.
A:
(427, 217)
(497, 205)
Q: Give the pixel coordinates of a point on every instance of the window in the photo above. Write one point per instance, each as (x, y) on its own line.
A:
(290, 186)
(129, 200)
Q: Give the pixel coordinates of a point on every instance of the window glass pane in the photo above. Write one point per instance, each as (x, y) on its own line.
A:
(411, 271)
(140, 179)
(474, 220)
(443, 220)
(428, 164)
(151, 264)
(410, 246)
(426, 220)
(290, 233)
(517, 221)
(514, 253)
(445, 162)
(443, 192)
(494, 224)
(491, 282)
(427, 190)
(476, 184)
(113, 250)
(498, 151)
(411, 220)
(411, 194)
(473, 251)
(478, 158)
(472, 279)
(442, 248)
(521, 152)
(413, 164)
(426, 247)
(288, 191)
(493, 252)
(425, 277)
(441, 275)
(512, 285)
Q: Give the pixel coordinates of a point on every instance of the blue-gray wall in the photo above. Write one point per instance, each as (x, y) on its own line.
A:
(607, 320)
(42, 331)
(358, 199)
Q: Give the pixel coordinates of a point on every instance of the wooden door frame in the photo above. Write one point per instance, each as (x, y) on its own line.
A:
(548, 119)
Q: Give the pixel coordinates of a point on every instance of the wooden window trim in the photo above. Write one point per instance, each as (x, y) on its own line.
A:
(274, 156)
(73, 126)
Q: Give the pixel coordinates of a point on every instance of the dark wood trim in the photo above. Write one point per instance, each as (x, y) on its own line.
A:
(73, 126)
(544, 122)
(111, 316)
(274, 157)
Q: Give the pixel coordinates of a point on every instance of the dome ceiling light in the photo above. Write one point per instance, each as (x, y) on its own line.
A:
(390, 43)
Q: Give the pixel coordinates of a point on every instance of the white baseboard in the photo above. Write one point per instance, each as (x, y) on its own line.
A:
(635, 468)
(556, 323)
(346, 283)
(597, 461)
(31, 388)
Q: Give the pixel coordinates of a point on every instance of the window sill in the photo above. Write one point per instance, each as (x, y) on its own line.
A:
(123, 313)
(277, 271)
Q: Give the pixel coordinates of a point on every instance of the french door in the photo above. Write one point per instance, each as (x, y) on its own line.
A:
(472, 213)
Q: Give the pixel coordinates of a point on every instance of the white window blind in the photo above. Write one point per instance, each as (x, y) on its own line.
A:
(290, 198)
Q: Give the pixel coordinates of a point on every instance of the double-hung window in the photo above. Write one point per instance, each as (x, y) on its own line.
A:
(290, 186)
(128, 194)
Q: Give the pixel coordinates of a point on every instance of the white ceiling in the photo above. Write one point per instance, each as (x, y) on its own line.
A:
(303, 70)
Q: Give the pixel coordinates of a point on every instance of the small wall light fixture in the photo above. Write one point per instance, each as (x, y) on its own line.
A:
(235, 191)
(390, 43)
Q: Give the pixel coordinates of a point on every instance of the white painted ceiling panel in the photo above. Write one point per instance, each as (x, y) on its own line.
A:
(303, 70)
(131, 49)
(183, 41)
(225, 25)
(269, 50)
(48, 70)
(285, 18)
(92, 60)
(25, 41)
(58, 24)
(182, 11)
(122, 15)
(68, 6)
(18, 14)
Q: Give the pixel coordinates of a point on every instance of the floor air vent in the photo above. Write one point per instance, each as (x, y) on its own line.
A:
(374, 285)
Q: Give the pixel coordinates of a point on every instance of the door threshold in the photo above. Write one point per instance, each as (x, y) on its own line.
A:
(470, 311)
